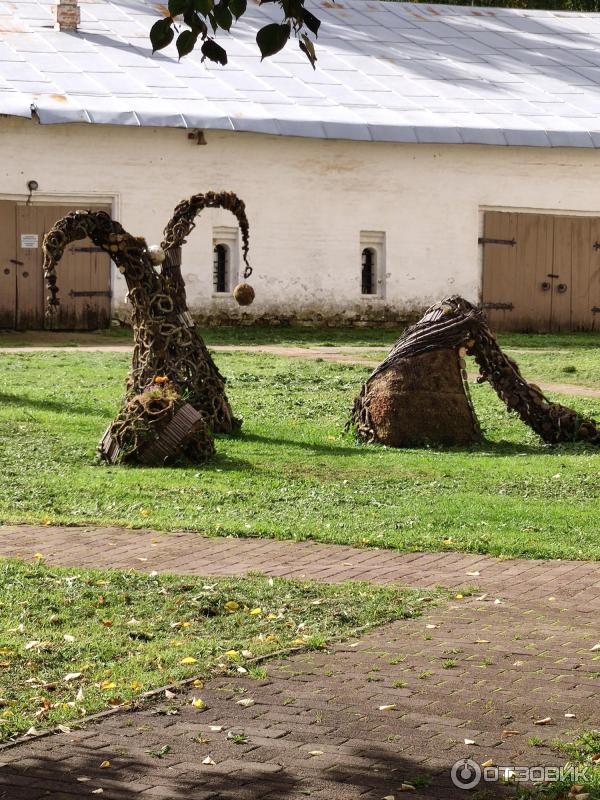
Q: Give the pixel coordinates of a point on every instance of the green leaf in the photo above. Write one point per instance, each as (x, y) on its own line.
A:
(178, 7)
(197, 24)
(186, 41)
(237, 7)
(308, 47)
(312, 23)
(272, 38)
(161, 34)
(214, 52)
(292, 9)
(203, 6)
(223, 16)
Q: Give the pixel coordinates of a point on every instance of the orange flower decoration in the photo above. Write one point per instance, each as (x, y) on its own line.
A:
(160, 379)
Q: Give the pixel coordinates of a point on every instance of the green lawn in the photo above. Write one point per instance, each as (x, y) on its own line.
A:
(293, 473)
(77, 641)
(293, 335)
(583, 754)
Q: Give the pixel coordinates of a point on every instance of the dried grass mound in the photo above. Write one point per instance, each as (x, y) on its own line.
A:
(418, 395)
(421, 401)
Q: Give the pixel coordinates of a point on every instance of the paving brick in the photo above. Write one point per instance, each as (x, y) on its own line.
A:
(333, 740)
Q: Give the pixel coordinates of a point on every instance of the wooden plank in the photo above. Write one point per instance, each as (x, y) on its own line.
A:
(594, 276)
(30, 280)
(583, 260)
(499, 268)
(534, 259)
(81, 271)
(8, 270)
(562, 285)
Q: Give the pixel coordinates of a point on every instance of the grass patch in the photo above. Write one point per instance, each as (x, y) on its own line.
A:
(76, 641)
(584, 754)
(292, 472)
(294, 335)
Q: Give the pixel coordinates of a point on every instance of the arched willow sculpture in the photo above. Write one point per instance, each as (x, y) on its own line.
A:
(175, 395)
(419, 395)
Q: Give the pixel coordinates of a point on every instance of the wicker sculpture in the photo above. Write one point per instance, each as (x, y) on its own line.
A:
(419, 394)
(175, 395)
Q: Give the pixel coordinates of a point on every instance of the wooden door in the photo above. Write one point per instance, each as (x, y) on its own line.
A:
(541, 272)
(517, 257)
(585, 277)
(566, 233)
(8, 267)
(83, 275)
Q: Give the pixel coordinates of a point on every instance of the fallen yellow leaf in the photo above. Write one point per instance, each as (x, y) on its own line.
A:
(105, 765)
(108, 685)
(189, 660)
(197, 702)
(255, 612)
(231, 605)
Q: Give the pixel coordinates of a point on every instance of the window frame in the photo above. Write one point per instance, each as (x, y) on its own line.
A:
(225, 249)
(375, 241)
(228, 238)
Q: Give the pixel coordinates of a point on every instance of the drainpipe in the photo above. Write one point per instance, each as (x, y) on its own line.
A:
(68, 15)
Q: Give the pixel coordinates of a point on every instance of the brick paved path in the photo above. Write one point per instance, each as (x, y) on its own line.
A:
(473, 669)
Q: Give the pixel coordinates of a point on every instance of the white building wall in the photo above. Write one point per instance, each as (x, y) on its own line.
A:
(307, 202)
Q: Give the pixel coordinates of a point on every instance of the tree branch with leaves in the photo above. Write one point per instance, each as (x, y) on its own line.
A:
(193, 23)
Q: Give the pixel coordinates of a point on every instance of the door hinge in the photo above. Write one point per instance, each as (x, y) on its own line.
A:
(87, 250)
(596, 245)
(106, 293)
(487, 240)
(498, 306)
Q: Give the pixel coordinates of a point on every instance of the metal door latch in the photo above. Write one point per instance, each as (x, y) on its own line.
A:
(499, 306)
(562, 288)
(487, 240)
(107, 293)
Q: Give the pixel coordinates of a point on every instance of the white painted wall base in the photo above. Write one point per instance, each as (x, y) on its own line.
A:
(307, 201)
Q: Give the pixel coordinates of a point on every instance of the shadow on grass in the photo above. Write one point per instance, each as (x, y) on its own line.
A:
(501, 449)
(321, 449)
(59, 406)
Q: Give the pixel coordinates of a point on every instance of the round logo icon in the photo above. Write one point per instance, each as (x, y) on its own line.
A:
(465, 773)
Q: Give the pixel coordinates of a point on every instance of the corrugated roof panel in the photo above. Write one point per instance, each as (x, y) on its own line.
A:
(385, 72)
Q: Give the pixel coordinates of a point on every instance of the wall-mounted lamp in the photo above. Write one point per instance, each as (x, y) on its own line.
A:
(197, 136)
(33, 186)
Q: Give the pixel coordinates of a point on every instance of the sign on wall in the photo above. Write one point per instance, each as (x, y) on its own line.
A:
(30, 241)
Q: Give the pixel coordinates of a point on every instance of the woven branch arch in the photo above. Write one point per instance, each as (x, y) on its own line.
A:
(171, 366)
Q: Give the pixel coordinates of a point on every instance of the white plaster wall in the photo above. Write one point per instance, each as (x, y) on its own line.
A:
(307, 202)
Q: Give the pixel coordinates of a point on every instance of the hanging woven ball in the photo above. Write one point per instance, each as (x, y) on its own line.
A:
(156, 253)
(244, 294)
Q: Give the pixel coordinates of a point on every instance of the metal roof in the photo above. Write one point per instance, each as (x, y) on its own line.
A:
(386, 71)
